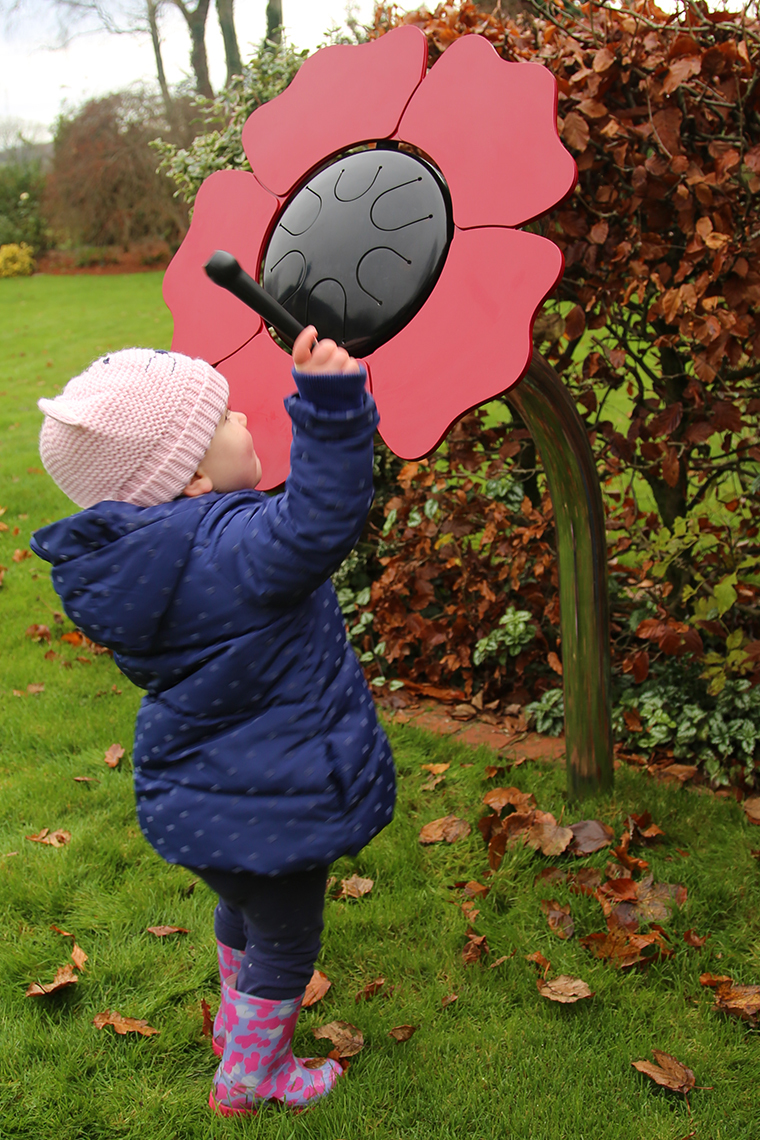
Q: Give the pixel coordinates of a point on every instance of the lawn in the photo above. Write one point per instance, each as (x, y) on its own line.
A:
(499, 1062)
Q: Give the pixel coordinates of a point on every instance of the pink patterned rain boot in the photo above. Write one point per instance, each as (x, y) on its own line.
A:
(229, 964)
(258, 1063)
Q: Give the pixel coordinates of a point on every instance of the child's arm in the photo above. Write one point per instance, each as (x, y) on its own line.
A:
(295, 540)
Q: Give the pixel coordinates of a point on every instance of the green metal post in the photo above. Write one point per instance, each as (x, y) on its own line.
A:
(550, 414)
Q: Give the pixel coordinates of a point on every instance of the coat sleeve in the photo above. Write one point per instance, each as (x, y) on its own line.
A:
(294, 541)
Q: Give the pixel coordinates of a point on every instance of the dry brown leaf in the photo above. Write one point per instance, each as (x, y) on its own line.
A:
(558, 917)
(86, 780)
(35, 688)
(499, 798)
(355, 887)
(448, 828)
(318, 986)
(38, 632)
(56, 838)
(347, 1039)
(546, 835)
(551, 875)
(564, 988)
(79, 957)
(668, 1072)
(752, 809)
(163, 931)
(500, 961)
(584, 881)
(691, 938)
(473, 889)
(207, 1028)
(121, 1024)
(624, 948)
(642, 830)
(64, 976)
(432, 783)
(369, 991)
(655, 900)
(403, 1032)
(590, 835)
(538, 958)
(435, 769)
(57, 929)
(491, 771)
(449, 999)
(474, 948)
(736, 1001)
(680, 773)
(113, 755)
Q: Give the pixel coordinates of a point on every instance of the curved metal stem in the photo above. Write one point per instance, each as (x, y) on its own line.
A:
(560, 436)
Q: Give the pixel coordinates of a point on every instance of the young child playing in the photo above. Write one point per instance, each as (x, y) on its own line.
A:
(258, 758)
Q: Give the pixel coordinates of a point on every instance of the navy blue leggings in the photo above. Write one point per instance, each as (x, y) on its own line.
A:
(277, 922)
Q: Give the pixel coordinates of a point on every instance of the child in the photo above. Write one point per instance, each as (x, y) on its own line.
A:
(258, 757)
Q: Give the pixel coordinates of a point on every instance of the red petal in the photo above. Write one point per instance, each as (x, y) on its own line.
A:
(470, 341)
(259, 379)
(491, 127)
(232, 212)
(341, 96)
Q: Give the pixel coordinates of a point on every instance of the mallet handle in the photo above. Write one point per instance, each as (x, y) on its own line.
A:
(225, 270)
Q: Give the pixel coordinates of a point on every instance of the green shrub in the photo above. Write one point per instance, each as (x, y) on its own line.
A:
(22, 186)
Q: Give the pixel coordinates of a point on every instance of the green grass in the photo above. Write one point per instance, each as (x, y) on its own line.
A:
(501, 1062)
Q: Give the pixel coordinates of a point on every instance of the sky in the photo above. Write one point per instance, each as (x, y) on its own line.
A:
(36, 82)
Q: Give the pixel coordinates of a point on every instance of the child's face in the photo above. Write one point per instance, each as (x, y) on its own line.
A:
(231, 463)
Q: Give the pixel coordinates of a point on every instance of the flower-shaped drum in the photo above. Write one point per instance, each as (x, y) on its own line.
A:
(382, 209)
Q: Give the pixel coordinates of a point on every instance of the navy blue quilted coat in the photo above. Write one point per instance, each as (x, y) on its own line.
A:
(256, 746)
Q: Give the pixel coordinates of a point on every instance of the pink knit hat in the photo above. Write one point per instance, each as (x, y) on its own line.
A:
(134, 427)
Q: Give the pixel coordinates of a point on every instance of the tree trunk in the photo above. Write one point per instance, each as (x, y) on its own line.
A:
(274, 21)
(195, 18)
(224, 10)
(151, 7)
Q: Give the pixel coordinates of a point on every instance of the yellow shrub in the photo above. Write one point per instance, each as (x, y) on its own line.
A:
(16, 260)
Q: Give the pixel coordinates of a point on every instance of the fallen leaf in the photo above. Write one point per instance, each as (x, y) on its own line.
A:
(86, 780)
(500, 961)
(432, 783)
(624, 948)
(584, 881)
(448, 828)
(74, 637)
(590, 835)
(546, 835)
(493, 770)
(370, 990)
(451, 998)
(474, 948)
(691, 938)
(162, 931)
(403, 1032)
(113, 755)
(38, 632)
(752, 809)
(499, 798)
(355, 887)
(20, 555)
(551, 875)
(564, 988)
(538, 958)
(347, 1039)
(64, 976)
(668, 1072)
(35, 688)
(642, 830)
(558, 917)
(57, 929)
(79, 957)
(121, 1024)
(318, 986)
(473, 889)
(655, 900)
(469, 909)
(680, 773)
(435, 769)
(207, 1028)
(53, 838)
(736, 1001)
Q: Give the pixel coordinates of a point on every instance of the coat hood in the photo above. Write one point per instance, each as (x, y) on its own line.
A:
(101, 554)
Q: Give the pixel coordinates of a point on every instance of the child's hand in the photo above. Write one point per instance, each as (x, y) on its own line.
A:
(322, 356)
